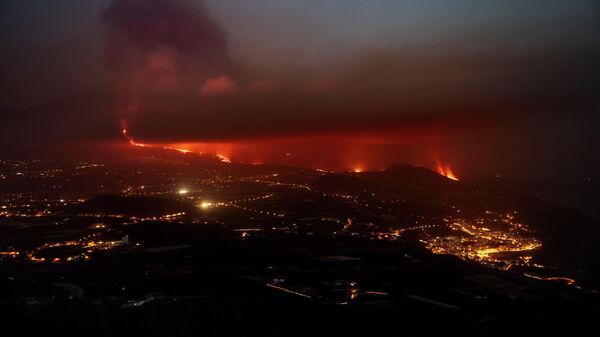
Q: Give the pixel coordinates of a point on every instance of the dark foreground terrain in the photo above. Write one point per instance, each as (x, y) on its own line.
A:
(219, 284)
(172, 247)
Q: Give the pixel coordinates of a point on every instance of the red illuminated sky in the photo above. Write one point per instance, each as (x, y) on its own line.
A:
(507, 86)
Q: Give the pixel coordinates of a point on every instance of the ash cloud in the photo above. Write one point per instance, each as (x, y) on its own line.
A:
(163, 45)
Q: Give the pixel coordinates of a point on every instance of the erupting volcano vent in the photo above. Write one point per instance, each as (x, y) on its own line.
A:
(446, 171)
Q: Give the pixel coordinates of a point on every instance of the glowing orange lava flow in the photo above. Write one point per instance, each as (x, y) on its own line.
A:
(446, 171)
(134, 143)
(131, 141)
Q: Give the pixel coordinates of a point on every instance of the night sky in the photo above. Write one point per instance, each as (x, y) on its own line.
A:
(505, 87)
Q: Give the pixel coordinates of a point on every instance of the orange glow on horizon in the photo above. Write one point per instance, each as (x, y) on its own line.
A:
(341, 155)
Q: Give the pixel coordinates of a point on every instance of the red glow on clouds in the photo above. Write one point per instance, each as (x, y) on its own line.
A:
(218, 85)
(160, 71)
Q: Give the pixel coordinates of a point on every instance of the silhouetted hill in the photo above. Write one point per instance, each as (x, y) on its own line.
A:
(341, 182)
(397, 177)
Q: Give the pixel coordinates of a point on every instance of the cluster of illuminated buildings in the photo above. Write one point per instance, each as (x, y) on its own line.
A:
(70, 250)
(503, 242)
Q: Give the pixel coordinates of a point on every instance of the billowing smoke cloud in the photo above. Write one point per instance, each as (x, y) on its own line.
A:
(162, 46)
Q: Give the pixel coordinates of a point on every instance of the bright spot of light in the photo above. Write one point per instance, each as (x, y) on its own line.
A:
(206, 204)
(183, 191)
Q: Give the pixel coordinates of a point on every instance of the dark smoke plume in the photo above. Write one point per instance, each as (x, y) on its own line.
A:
(163, 44)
